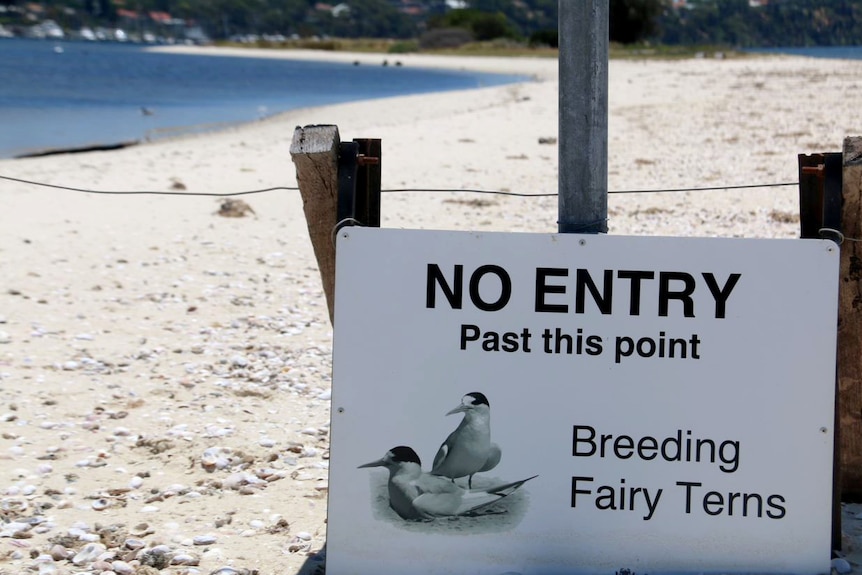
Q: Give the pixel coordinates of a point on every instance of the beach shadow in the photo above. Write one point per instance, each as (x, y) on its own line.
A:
(314, 564)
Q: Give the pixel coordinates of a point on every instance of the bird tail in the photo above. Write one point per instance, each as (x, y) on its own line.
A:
(477, 499)
(508, 488)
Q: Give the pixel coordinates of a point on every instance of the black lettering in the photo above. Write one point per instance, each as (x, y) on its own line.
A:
(647, 444)
(510, 341)
(604, 299)
(721, 294)
(773, 502)
(576, 491)
(505, 288)
(453, 295)
(542, 288)
(624, 447)
(635, 276)
(576, 439)
(713, 503)
(469, 333)
(688, 487)
(665, 294)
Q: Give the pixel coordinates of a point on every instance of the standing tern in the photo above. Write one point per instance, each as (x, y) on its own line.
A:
(417, 495)
(468, 450)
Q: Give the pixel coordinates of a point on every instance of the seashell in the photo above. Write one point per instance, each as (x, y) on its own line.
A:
(240, 479)
(60, 553)
(122, 568)
(266, 442)
(48, 569)
(207, 539)
(100, 566)
(134, 544)
(15, 529)
(141, 530)
(185, 559)
(101, 504)
(90, 537)
(89, 553)
(215, 458)
(230, 571)
(136, 482)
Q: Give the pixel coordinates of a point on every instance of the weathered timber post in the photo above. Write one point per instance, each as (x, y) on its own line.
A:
(583, 130)
(314, 150)
(850, 325)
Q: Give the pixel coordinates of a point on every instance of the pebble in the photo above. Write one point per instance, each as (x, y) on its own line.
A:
(207, 539)
(841, 566)
(122, 568)
(88, 553)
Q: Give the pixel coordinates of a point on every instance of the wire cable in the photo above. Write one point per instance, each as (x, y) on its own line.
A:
(390, 190)
(143, 192)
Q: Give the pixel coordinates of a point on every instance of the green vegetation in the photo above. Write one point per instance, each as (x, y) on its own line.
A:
(779, 23)
(481, 26)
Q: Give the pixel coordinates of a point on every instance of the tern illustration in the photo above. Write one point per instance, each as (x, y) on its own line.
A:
(468, 450)
(417, 495)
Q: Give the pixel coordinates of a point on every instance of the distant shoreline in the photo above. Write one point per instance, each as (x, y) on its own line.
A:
(539, 68)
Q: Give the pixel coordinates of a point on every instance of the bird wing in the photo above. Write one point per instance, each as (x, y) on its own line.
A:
(440, 457)
(438, 497)
(479, 498)
(435, 484)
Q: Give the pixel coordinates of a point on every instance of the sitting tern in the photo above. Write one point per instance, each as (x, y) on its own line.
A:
(468, 450)
(417, 495)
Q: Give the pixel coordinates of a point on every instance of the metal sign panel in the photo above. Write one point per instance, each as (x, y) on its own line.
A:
(525, 403)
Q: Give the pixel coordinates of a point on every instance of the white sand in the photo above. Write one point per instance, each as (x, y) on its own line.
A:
(136, 332)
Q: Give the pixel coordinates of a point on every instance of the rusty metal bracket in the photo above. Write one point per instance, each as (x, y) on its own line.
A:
(820, 196)
(359, 177)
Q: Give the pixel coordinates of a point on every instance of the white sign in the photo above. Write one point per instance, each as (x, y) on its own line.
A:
(524, 403)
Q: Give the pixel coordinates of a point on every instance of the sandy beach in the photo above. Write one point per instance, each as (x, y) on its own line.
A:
(165, 371)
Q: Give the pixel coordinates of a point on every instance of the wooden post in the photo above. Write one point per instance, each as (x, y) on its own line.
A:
(583, 130)
(850, 325)
(314, 150)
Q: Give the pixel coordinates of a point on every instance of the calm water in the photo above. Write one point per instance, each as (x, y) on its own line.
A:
(836, 52)
(70, 94)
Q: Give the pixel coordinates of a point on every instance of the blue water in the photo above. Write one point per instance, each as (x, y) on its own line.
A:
(834, 52)
(72, 94)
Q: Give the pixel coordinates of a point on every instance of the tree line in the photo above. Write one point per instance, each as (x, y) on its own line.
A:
(718, 22)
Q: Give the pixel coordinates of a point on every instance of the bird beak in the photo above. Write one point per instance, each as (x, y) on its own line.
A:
(460, 409)
(378, 463)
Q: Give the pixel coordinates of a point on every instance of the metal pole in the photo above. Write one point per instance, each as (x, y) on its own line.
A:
(583, 136)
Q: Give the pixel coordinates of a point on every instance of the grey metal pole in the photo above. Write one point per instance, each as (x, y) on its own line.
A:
(583, 136)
